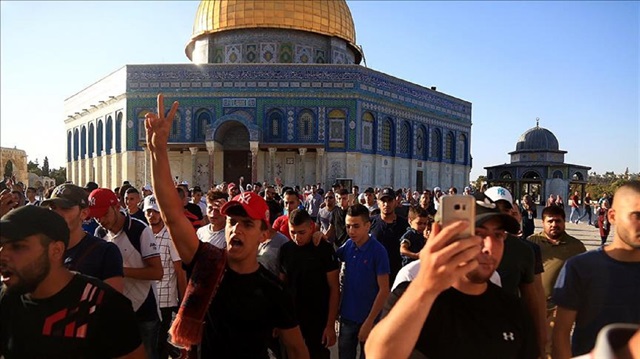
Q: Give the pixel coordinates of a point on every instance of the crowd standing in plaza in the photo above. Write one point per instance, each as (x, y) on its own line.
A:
(260, 270)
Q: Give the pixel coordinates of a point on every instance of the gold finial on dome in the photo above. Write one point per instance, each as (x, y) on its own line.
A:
(326, 17)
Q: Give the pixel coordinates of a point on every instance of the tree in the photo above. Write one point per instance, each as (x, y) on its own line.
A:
(45, 167)
(34, 167)
(479, 182)
(60, 175)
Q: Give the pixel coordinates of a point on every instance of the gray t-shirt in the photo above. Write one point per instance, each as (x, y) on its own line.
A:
(269, 250)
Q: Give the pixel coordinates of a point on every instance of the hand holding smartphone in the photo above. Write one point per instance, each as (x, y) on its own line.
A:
(458, 207)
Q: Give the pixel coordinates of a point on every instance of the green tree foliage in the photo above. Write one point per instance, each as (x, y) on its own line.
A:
(34, 167)
(608, 182)
(60, 175)
(45, 167)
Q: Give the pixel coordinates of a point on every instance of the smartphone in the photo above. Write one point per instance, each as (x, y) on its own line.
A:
(459, 207)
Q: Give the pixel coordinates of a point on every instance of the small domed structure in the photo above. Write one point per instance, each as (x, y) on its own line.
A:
(537, 168)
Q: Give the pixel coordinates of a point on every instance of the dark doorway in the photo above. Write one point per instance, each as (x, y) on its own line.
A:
(237, 164)
(419, 181)
(234, 138)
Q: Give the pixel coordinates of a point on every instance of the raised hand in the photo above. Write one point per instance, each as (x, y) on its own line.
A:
(158, 125)
(443, 260)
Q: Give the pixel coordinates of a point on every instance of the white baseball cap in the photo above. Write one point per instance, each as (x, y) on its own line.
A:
(150, 203)
(498, 193)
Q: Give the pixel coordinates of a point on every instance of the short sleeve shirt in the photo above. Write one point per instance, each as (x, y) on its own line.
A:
(360, 287)
(517, 265)
(168, 286)
(86, 319)
(602, 291)
(94, 257)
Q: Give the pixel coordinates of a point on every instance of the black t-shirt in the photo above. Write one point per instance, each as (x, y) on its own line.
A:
(517, 265)
(94, 257)
(86, 319)
(244, 312)
(338, 221)
(306, 268)
(491, 325)
(389, 235)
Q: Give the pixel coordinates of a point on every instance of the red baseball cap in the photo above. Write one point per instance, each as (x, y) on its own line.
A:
(100, 200)
(252, 203)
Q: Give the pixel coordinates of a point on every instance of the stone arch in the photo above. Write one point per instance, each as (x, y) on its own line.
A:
(234, 137)
(557, 174)
(92, 139)
(254, 130)
(119, 117)
(203, 120)
(578, 176)
(109, 135)
(83, 142)
(506, 175)
(8, 169)
(531, 174)
(76, 144)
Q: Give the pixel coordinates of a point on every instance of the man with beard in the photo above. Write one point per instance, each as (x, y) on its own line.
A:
(451, 310)
(235, 316)
(555, 244)
(85, 252)
(47, 311)
(602, 286)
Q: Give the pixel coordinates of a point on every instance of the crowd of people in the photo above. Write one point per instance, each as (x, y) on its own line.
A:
(259, 270)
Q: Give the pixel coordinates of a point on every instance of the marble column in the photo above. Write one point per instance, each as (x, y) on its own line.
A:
(272, 161)
(320, 166)
(99, 178)
(301, 171)
(194, 165)
(211, 152)
(253, 146)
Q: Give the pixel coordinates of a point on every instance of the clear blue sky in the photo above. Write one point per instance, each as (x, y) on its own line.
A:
(573, 64)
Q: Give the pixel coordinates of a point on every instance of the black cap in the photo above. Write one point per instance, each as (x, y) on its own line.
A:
(90, 186)
(67, 196)
(26, 221)
(369, 190)
(387, 192)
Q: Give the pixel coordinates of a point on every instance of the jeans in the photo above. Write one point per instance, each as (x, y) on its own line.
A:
(149, 334)
(348, 340)
(574, 210)
(587, 212)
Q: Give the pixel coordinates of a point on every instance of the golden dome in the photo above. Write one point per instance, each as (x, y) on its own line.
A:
(327, 17)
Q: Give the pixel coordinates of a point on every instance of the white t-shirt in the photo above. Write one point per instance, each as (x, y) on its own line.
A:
(168, 286)
(410, 271)
(136, 290)
(217, 238)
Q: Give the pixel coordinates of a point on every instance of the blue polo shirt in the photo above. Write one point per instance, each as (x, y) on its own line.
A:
(360, 284)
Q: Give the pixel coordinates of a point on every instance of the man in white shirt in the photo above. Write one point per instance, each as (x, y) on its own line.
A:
(214, 232)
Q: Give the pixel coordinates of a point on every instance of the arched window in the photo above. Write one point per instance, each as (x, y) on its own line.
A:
(76, 144)
(448, 147)
(367, 130)
(109, 137)
(69, 146)
(142, 131)
(558, 174)
(535, 175)
(203, 119)
(577, 177)
(385, 135)
(274, 121)
(337, 120)
(119, 132)
(405, 138)
(92, 139)
(436, 144)
(176, 127)
(461, 149)
(100, 138)
(420, 143)
(83, 142)
(306, 125)
(506, 175)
